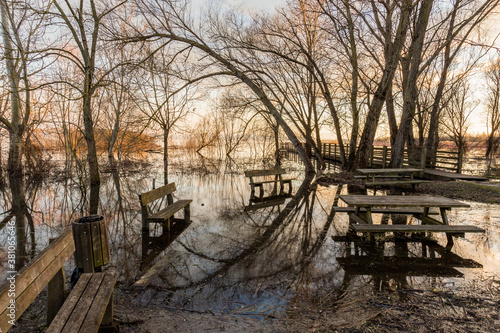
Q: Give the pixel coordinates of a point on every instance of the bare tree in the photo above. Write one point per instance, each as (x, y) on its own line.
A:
(457, 112)
(163, 97)
(83, 23)
(20, 33)
(492, 111)
(171, 22)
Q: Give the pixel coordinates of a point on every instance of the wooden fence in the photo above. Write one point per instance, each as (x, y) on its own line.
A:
(380, 157)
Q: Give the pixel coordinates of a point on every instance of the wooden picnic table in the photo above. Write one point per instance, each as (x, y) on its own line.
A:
(391, 176)
(364, 204)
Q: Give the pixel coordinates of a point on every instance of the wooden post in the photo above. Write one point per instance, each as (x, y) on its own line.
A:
(55, 293)
(460, 160)
(371, 156)
(384, 156)
(423, 158)
(335, 154)
(91, 243)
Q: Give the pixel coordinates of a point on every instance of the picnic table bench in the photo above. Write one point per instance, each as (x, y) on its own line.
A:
(264, 178)
(47, 269)
(164, 216)
(365, 205)
(390, 176)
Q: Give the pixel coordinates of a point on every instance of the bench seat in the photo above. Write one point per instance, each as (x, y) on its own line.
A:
(168, 211)
(87, 304)
(409, 211)
(397, 182)
(273, 181)
(383, 228)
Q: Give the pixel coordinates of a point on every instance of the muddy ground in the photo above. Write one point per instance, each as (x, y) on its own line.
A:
(471, 308)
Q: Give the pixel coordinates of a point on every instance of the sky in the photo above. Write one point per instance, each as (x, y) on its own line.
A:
(477, 121)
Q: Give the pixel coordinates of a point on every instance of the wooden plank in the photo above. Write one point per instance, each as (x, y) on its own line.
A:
(160, 192)
(400, 201)
(69, 305)
(288, 180)
(389, 170)
(409, 211)
(99, 305)
(267, 172)
(33, 278)
(416, 228)
(396, 182)
(270, 203)
(29, 272)
(82, 307)
(168, 211)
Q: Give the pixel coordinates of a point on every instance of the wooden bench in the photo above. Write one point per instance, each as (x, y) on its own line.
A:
(278, 178)
(412, 182)
(88, 305)
(398, 210)
(46, 269)
(164, 216)
(455, 230)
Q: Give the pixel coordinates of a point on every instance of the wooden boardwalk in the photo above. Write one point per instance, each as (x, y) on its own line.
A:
(446, 175)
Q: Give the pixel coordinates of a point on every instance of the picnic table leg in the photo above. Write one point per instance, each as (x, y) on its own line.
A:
(449, 237)
(187, 214)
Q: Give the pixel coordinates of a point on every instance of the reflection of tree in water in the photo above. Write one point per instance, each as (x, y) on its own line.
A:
(274, 254)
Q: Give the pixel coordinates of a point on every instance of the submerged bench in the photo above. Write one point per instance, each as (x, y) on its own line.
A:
(263, 178)
(89, 305)
(47, 269)
(164, 216)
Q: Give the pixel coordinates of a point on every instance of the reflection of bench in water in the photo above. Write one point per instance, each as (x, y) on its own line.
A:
(264, 202)
(260, 177)
(153, 246)
(362, 258)
(165, 216)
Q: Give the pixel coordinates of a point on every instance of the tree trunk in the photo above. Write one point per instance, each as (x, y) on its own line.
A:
(95, 179)
(165, 155)
(410, 90)
(391, 64)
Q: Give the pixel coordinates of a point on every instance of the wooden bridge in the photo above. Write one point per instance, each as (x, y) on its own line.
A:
(444, 160)
(445, 165)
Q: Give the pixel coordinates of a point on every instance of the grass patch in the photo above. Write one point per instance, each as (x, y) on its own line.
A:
(462, 190)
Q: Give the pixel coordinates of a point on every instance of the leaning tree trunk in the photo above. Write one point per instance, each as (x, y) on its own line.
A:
(410, 91)
(391, 64)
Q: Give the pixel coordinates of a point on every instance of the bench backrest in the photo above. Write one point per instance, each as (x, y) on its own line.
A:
(33, 278)
(160, 192)
(268, 172)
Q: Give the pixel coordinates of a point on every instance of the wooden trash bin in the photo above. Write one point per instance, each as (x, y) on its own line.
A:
(91, 243)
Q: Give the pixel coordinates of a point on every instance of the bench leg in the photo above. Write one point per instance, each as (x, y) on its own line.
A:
(187, 214)
(55, 295)
(107, 320)
(450, 243)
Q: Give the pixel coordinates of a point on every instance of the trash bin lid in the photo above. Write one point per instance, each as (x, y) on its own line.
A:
(90, 218)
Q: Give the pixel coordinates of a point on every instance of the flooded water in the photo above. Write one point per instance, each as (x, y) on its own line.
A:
(240, 257)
